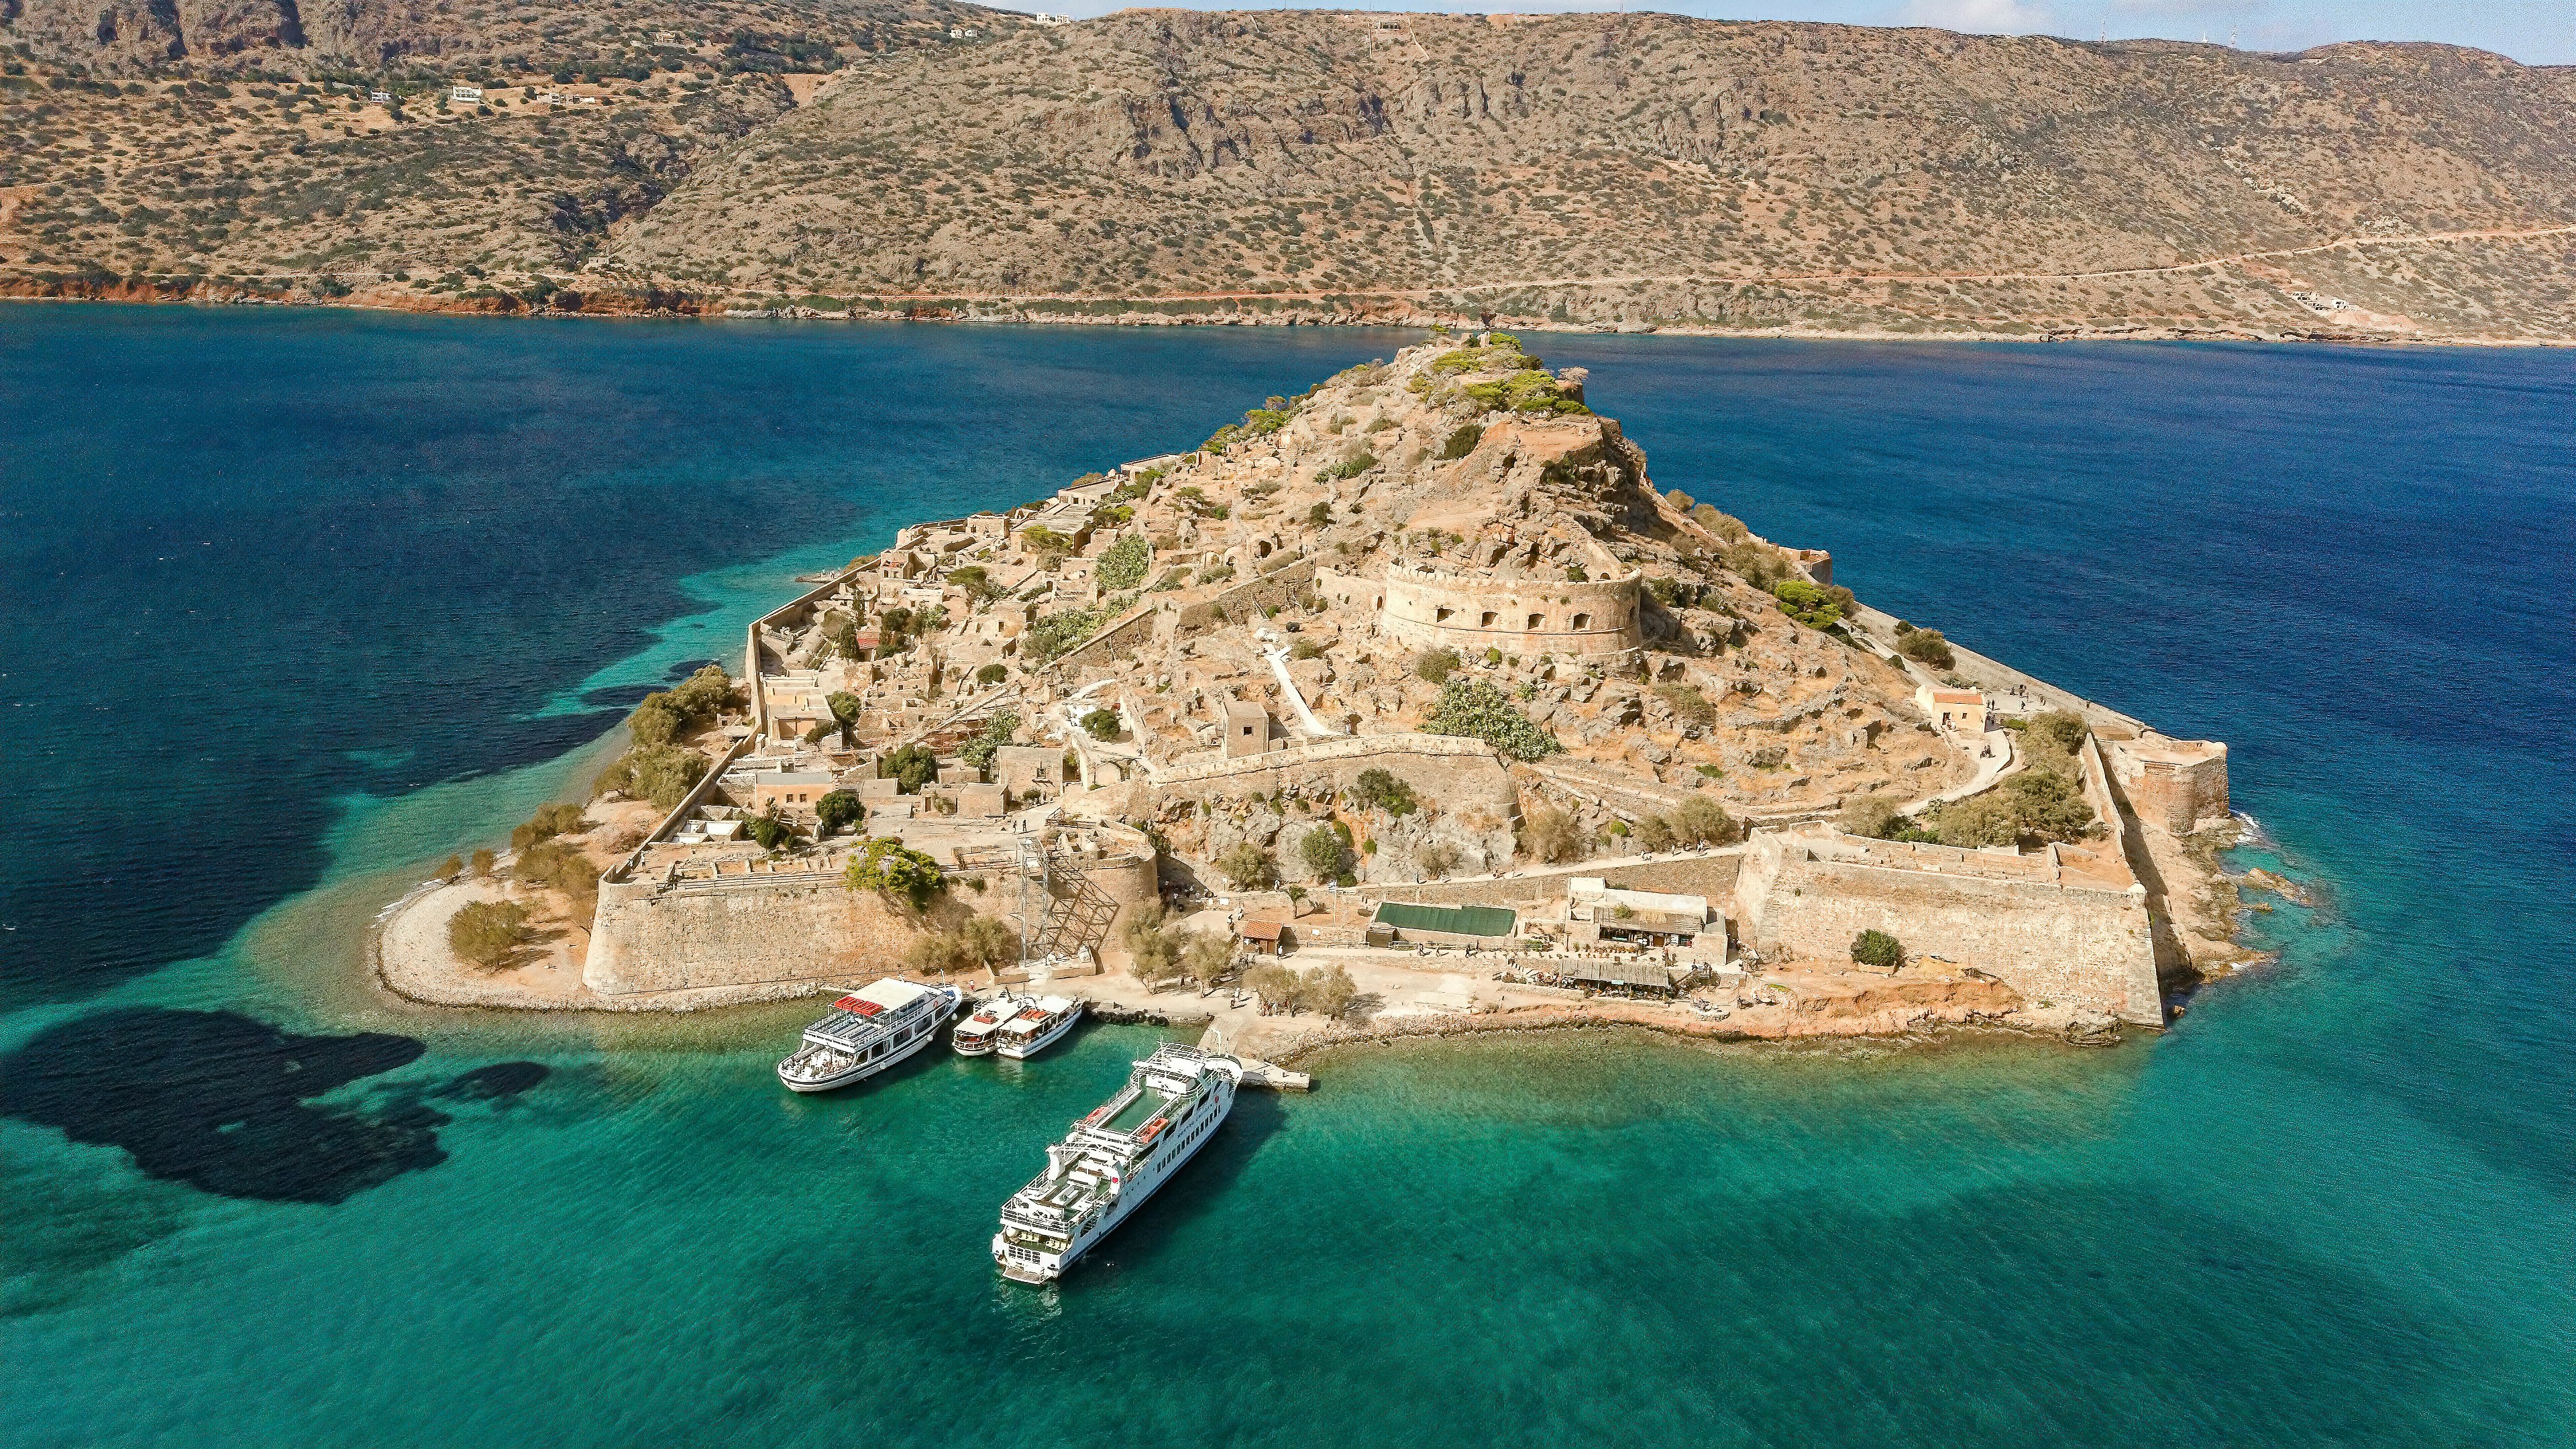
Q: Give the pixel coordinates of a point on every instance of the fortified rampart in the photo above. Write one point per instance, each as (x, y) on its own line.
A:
(1808, 894)
(1473, 612)
(2179, 785)
(657, 936)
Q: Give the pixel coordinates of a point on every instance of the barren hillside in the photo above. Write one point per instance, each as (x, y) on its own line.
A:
(1603, 169)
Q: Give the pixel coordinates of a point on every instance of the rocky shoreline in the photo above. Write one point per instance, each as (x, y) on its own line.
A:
(672, 304)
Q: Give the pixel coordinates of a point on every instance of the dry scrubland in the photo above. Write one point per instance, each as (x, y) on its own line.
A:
(1159, 165)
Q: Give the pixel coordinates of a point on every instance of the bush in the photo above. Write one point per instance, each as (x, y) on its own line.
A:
(1385, 791)
(549, 822)
(1873, 816)
(1248, 866)
(488, 933)
(1436, 858)
(482, 861)
(451, 867)
(1319, 515)
(1654, 833)
(910, 767)
(1101, 724)
(1814, 605)
(1049, 545)
(978, 942)
(769, 830)
(2034, 806)
(1548, 835)
(1350, 467)
(1475, 708)
(992, 674)
(1879, 949)
(1123, 566)
(2063, 730)
(977, 755)
(1462, 442)
(1305, 649)
(1702, 821)
(558, 866)
(1434, 666)
(839, 808)
(1688, 705)
(886, 866)
(1926, 646)
(1055, 633)
(1321, 852)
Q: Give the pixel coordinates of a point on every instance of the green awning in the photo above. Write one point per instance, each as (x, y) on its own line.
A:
(1455, 920)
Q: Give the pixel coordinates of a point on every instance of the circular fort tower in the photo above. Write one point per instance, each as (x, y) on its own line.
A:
(1474, 612)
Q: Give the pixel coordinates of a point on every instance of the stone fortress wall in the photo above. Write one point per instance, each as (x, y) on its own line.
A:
(1473, 613)
(2068, 925)
(2179, 785)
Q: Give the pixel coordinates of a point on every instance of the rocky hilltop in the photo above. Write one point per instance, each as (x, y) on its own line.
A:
(1575, 170)
(1420, 659)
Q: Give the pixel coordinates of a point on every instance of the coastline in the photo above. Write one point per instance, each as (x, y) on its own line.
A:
(627, 304)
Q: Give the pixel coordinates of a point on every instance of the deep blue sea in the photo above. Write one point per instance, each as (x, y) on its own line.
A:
(295, 602)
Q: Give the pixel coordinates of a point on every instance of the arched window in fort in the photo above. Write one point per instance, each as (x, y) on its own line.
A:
(1488, 620)
(1536, 620)
(1441, 616)
(1582, 621)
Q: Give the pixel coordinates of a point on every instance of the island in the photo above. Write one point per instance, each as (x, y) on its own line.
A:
(1406, 705)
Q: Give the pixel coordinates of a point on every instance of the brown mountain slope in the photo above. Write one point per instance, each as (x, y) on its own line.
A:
(1658, 169)
(218, 156)
(132, 38)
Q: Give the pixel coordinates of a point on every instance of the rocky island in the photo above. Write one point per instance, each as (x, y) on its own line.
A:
(1407, 704)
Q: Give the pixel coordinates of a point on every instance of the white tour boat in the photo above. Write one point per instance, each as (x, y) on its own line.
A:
(868, 1031)
(975, 1036)
(1113, 1160)
(1037, 1025)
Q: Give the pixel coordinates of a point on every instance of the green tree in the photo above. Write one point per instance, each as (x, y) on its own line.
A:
(884, 865)
(1154, 940)
(993, 673)
(1326, 990)
(1321, 852)
(979, 752)
(1101, 724)
(451, 867)
(1702, 821)
(488, 933)
(1275, 984)
(837, 809)
(845, 708)
(483, 861)
(1655, 833)
(1206, 958)
(1248, 866)
(910, 767)
(1879, 949)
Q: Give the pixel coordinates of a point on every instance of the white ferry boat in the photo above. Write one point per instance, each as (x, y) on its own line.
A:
(1113, 1160)
(976, 1035)
(1037, 1026)
(868, 1031)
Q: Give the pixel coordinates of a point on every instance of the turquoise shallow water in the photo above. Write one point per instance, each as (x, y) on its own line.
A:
(2331, 1207)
